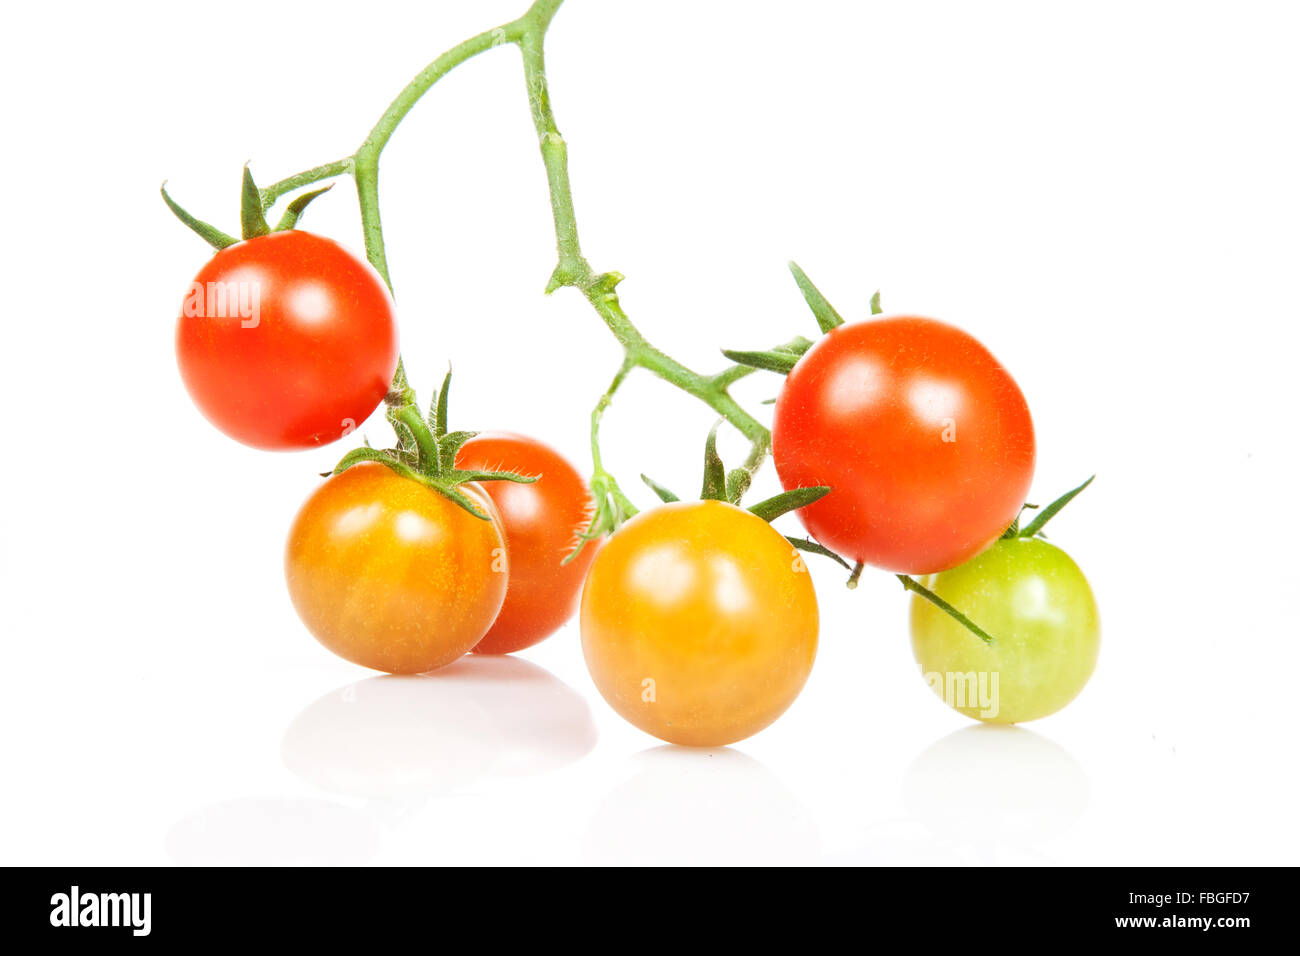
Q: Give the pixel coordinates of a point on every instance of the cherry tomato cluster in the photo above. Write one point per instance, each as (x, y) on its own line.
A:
(900, 442)
(906, 444)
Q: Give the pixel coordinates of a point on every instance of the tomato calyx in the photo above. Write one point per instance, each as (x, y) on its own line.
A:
(1035, 528)
(783, 358)
(721, 485)
(780, 359)
(1032, 530)
(252, 220)
(426, 451)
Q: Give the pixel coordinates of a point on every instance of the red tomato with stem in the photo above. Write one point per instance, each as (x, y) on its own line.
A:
(924, 438)
(542, 522)
(287, 341)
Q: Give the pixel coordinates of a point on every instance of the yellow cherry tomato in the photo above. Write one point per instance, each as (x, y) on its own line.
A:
(389, 574)
(699, 623)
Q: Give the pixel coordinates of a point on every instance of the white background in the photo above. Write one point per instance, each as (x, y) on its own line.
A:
(1104, 193)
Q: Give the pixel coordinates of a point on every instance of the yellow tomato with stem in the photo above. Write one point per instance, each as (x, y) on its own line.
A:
(699, 623)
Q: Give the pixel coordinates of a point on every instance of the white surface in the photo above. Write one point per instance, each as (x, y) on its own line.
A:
(1106, 195)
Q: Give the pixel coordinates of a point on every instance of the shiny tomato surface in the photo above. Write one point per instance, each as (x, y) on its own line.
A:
(699, 623)
(287, 341)
(542, 521)
(923, 437)
(1035, 603)
(389, 574)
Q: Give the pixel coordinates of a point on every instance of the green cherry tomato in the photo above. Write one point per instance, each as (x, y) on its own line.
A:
(1037, 605)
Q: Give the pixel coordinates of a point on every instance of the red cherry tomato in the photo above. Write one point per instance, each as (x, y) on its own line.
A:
(923, 437)
(542, 521)
(287, 341)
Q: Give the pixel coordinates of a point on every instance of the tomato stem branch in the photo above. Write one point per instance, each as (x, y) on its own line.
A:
(572, 269)
(270, 194)
(612, 506)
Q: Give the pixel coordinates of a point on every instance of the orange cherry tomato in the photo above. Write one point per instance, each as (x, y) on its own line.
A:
(389, 574)
(699, 623)
(542, 522)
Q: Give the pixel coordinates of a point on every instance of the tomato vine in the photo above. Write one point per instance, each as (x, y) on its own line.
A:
(420, 450)
(572, 269)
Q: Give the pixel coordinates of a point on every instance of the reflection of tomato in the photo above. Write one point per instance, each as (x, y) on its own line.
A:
(924, 439)
(390, 574)
(1037, 606)
(287, 341)
(699, 623)
(542, 521)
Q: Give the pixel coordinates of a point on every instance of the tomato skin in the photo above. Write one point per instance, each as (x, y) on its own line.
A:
(542, 522)
(713, 607)
(313, 359)
(390, 574)
(1037, 605)
(924, 438)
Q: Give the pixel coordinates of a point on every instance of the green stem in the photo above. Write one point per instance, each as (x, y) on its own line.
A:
(598, 413)
(604, 486)
(366, 173)
(572, 269)
(339, 167)
(410, 416)
(365, 163)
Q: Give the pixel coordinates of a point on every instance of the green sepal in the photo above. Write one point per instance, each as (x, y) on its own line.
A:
(780, 359)
(426, 451)
(796, 346)
(458, 497)
(405, 436)
(769, 361)
(714, 487)
(738, 481)
(449, 445)
(445, 485)
(875, 304)
(458, 476)
(812, 547)
(438, 408)
(584, 538)
(1035, 527)
(666, 496)
(786, 501)
(916, 587)
(252, 222)
(293, 212)
(399, 390)
(208, 233)
(827, 317)
(357, 455)
(612, 508)
(1013, 531)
